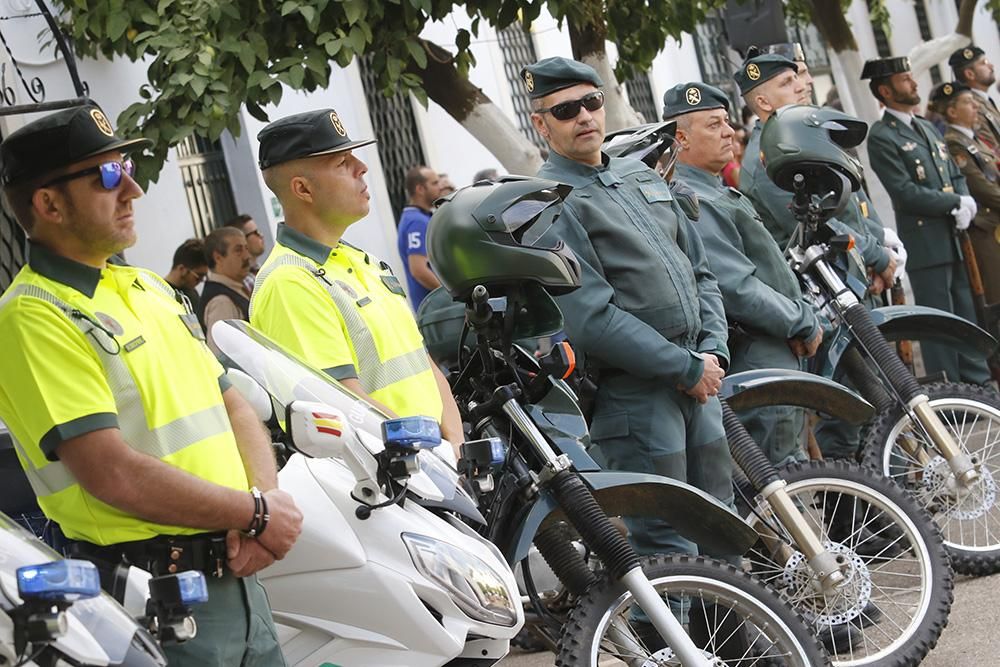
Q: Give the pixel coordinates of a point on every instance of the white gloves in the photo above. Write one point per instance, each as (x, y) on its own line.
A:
(896, 247)
(965, 212)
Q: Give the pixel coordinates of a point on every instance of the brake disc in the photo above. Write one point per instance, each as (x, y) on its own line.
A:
(956, 502)
(850, 598)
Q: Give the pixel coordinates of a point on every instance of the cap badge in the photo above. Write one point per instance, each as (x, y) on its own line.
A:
(693, 96)
(947, 89)
(101, 121)
(753, 71)
(967, 54)
(337, 125)
(529, 81)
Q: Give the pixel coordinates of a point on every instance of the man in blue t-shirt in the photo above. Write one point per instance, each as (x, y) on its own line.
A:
(422, 187)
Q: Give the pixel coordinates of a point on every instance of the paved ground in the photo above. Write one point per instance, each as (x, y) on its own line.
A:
(970, 640)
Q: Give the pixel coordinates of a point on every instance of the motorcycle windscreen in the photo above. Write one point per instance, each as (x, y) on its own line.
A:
(100, 631)
(287, 378)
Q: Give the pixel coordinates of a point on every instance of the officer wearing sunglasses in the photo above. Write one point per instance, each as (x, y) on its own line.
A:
(649, 316)
(131, 468)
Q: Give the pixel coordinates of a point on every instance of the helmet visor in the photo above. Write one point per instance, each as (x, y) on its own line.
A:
(530, 218)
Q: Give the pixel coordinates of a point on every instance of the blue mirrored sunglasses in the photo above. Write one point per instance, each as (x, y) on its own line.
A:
(111, 173)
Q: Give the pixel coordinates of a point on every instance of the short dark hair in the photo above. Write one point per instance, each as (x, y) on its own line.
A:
(17, 198)
(190, 254)
(873, 84)
(218, 242)
(959, 72)
(415, 177)
(239, 221)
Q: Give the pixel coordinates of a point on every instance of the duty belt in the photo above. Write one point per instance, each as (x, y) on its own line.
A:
(166, 554)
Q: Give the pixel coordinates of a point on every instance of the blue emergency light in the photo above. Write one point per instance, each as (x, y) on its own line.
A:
(193, 587)
(59, 581)
(411, 433)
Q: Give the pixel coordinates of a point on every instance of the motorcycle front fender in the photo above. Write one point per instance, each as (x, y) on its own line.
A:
(693, 513)
(779, 386)
(917, 323)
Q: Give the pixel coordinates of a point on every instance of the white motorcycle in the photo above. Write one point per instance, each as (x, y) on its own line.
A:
(375, 578)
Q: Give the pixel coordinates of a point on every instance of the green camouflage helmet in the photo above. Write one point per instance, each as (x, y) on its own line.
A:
(490, 234)
(812, 141)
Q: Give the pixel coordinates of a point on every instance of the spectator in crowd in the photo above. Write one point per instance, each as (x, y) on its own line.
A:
(255, 243)
(445, 186)
(423, 186)
(225, 295)
(488, 174)
(188, 270)
(731, 172)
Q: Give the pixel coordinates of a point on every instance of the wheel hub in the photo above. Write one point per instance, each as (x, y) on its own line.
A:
(665, 658)
(845, 604)
(956, 501)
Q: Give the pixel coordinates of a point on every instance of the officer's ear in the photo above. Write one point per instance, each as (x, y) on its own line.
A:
(539, 123)
(301, 188)
(47, 205)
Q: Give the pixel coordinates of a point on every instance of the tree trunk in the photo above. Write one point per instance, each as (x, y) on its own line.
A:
(467, 104)
(966, 10)
(588, 42)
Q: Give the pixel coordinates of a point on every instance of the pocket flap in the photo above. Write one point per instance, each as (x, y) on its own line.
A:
(612, 425)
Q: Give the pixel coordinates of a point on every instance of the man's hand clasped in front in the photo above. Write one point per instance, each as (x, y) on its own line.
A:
(247, 554)
(710, 382)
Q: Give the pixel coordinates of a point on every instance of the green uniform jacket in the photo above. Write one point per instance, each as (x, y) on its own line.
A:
(759, 290)
(979, 166)
(772, 203)
(648, 299)
(988, 127)
(924, 185)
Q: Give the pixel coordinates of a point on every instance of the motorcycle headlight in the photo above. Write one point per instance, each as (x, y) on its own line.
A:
(477, 590)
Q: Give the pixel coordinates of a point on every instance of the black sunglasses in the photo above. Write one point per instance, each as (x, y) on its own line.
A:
(569, 110)
(111, 173)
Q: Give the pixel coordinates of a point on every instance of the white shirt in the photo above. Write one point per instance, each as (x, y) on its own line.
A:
(905, 117)
(964, 130)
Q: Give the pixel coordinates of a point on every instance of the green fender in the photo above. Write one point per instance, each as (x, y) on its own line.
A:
(778, 386)
(696, 515)
(913, 323)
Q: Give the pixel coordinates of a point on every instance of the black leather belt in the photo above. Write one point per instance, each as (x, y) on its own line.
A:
(165, 554)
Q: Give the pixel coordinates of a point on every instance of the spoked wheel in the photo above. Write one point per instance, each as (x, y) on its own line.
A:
(733, 618)
(897, 589)
(968, 515)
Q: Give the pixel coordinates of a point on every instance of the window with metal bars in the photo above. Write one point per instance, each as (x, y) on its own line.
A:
(12, 247)
(881, 39)
(640, 96)
(925, 34)
(712, 48)
(518, 51)
(399, 146)
(206, 183)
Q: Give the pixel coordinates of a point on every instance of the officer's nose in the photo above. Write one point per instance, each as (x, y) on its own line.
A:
(129, 189)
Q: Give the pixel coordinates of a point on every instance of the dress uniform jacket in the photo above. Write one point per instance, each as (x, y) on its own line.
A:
(979, 166)
(924, 184)
(988, 125)
(762, 298)
(647, 305)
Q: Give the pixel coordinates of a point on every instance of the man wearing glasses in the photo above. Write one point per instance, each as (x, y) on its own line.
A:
(255, 244)
(132, 470)
(648, 317)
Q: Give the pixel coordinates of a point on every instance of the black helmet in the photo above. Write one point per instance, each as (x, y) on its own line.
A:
(812, 141)
(646, 143)
(490, 234)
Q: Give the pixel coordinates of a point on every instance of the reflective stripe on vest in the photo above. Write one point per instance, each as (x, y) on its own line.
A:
(160, 442)
(373, 373)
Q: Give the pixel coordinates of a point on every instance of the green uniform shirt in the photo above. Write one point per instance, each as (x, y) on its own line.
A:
(55, 385)
(343, 311)
(759, 290)
(772, 203)
(648, 299)
(924, 184)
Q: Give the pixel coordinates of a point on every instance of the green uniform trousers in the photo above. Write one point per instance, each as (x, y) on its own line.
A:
(946, 287)
(641, 426)
(235, 628)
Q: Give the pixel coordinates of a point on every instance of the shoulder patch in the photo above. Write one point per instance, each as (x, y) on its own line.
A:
(961, 160)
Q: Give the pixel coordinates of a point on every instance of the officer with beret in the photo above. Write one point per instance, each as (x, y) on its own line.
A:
(771, 324)
(648, 316)
(973, 69)
(931, 200)
(133, 470)
(337, 306)
(978, 163)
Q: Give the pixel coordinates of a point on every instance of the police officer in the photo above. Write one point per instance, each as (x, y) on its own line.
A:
(767, 83)
(338, 307)
(774, 325)
(978, 163)
(124, 422)
(973, 69)
(930, 198)
(648, 315)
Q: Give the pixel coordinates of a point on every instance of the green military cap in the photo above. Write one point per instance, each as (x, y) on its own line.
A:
(791, 50)
(944, 93)
(695, 96)
(304, 135)
(552, 74)
(58, 140)
(964, 57)
(883, 67)
(760, 68)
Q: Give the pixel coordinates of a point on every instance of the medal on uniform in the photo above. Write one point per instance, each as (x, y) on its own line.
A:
(921, 172)
(996, 234)
(864, 209)
(908, 146)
